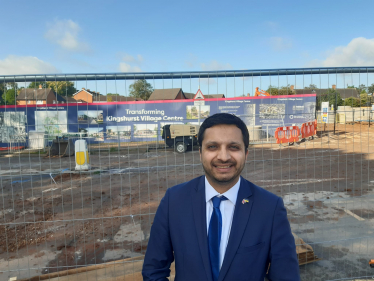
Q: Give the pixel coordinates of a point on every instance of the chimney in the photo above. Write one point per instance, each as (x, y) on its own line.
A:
(292, 87)
(334, 87)
(83, 89)
(248, 95)
(88, 90)
(40, 86)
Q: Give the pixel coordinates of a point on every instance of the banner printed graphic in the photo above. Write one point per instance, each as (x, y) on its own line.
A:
(142, 121)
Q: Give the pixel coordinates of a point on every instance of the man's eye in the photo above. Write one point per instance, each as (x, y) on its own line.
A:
(235, 147)
(211, 146)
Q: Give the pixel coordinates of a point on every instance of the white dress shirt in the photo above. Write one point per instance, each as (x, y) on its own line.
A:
(227, 208)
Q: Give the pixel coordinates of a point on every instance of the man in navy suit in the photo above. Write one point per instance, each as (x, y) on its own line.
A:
(221, 227)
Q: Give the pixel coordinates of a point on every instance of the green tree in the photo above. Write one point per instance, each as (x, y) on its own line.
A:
(361, 89)
(141, 89)
(365, 99)
(110, 95)
(311, 87)
(9, 97)
(35, 85)
(272, 90)
(63, 88)
(2, 89)
(284, 90)
(371, 89)
(352, 101)
(331, 95)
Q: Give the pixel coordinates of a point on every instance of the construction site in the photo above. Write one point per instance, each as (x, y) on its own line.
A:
(58, 221)
(81, 181)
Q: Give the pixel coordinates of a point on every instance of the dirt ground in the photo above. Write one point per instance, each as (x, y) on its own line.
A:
(54, 218)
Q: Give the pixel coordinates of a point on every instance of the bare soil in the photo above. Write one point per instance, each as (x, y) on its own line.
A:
(106, 213)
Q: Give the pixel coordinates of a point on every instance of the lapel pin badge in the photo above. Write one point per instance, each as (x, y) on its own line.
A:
(245, 201)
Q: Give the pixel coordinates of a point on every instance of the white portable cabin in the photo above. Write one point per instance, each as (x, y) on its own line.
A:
(37, 139)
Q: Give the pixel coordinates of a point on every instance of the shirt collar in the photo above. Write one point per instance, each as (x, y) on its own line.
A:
(231, 194)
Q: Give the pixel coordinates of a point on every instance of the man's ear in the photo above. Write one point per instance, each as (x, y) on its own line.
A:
(246, 154)
(200, 152)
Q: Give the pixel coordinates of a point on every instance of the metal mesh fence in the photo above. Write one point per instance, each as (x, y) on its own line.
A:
(62, 223)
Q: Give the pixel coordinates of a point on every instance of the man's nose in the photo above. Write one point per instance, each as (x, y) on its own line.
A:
(224, 154)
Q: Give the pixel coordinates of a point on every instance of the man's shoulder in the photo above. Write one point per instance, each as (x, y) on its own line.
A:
(261, 193)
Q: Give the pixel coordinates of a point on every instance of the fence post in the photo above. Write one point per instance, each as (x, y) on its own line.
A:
(267, 133)
(158, 134)
(119, 139)
(335, 110)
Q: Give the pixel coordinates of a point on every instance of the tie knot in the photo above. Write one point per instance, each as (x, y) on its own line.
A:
(217, 201)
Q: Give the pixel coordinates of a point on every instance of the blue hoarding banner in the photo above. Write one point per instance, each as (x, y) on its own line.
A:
(141, 121)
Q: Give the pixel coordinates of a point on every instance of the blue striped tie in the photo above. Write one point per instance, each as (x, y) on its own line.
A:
(214, 236)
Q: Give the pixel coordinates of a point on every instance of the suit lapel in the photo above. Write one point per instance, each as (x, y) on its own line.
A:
(238, 226)
(199, 211)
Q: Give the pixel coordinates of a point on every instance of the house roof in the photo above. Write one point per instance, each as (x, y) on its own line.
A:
(189, 96)
(71, 100)
(102, 98)
(165, 94)
(171, 94)
(33, 94)
(215, 96)
(92, 93)
(344, 93)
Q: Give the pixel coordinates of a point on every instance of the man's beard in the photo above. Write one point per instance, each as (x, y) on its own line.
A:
(224, 180)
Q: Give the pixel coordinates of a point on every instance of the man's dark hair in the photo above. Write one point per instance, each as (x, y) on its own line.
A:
(223, 119)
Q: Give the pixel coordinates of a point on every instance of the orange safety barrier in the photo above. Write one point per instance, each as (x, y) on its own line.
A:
(287, 134)
(11, 148)
(308, 129)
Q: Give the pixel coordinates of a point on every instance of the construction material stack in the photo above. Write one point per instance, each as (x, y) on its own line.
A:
(61, 147)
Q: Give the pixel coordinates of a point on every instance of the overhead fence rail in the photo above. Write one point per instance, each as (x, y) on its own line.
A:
(85, 160)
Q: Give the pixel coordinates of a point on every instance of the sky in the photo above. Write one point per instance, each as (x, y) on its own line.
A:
(41, 37)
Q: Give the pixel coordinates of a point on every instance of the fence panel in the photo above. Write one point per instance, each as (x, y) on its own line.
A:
(59, 223)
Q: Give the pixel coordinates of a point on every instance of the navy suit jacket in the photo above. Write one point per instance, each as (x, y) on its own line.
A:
(260, 235)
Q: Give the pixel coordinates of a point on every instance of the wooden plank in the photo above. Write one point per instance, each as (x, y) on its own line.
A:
(305, 253)
(126, 269)
(130, 269)
(85, 269)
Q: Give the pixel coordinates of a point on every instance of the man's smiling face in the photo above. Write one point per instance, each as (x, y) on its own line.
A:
(223, 155)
